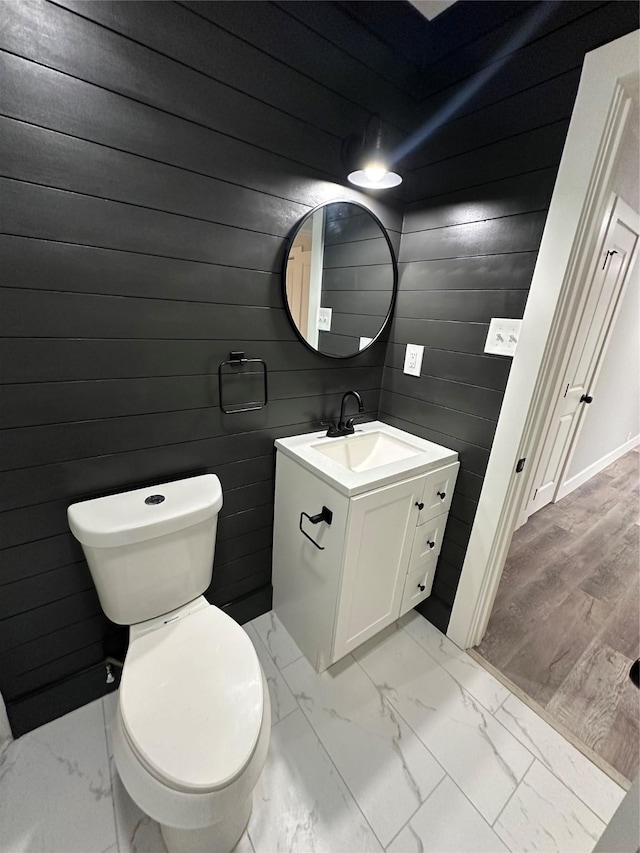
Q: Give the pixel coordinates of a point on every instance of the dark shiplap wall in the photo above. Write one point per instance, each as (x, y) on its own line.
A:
(155, 157)
(478, 191)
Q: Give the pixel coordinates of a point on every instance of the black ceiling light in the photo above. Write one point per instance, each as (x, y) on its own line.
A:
(367, 158)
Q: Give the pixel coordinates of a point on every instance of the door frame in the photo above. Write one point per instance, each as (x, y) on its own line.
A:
(618, 211)
(574, 224)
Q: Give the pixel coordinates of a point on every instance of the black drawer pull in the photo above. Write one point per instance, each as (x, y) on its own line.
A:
(431, 544)
(441, 495)
(326, 515)
(421, 587)
(420, 506)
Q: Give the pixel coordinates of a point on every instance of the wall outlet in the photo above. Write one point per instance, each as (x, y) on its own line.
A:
(413, 359)
(503, 335)
(324, 319)
(364, 342)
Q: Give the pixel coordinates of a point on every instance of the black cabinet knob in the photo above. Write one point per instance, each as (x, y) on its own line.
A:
(586, 399)
(420, 506)
(431, 544)
(441, 495)
(421, 587)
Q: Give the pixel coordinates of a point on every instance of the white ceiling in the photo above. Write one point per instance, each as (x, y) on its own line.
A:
(431, 8)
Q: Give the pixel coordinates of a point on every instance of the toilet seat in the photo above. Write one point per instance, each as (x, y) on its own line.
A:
(191, 700)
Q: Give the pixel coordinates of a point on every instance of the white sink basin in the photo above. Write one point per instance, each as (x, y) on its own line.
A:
(375, 455)
(361, 452)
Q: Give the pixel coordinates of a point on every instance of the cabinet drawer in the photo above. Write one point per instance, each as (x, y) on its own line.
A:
(438, 491)
(427, 541)
(418, 585)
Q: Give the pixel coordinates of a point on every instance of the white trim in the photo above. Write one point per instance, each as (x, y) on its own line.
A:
(599, 465)
(577, 209)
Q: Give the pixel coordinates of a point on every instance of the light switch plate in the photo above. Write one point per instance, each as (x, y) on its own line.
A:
(503, 336)
(413, 359)
(364, 342)
(324, 319)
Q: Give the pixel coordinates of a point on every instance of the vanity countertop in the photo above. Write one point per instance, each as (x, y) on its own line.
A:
(376, 455)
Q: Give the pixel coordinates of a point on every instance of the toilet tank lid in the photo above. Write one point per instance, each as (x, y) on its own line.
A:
(130, 517)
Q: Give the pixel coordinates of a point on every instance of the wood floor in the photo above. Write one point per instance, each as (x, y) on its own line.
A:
(566, 622)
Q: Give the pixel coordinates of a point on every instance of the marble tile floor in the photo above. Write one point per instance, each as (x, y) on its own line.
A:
(406, 745)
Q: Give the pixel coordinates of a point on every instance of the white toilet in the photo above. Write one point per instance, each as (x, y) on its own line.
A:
(192, 729)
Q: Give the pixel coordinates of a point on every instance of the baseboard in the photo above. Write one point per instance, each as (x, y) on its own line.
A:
(35, 709)
(435, 611)
(250, 606)
(575, 482)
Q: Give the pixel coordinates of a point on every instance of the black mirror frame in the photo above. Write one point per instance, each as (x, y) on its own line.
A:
(394, 265)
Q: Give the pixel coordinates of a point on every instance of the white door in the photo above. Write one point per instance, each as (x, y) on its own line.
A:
(380, 532)
(609, 275)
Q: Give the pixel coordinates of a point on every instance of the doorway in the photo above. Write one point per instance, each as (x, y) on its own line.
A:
(607, 98)
(565, 626)
(607, 90)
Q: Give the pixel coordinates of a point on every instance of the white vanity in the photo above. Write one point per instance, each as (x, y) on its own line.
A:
(357, 532)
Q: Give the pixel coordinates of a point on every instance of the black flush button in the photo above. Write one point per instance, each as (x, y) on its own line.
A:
(154, 499)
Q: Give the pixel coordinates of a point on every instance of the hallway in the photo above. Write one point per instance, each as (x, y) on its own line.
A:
(565, 624)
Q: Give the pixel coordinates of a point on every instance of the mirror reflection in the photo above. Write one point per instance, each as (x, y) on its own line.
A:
(340, 279)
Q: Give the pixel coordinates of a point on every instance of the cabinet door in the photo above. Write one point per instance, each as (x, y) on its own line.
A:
(379, 538)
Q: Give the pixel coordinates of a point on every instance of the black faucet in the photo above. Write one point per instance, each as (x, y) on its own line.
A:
(343, 428)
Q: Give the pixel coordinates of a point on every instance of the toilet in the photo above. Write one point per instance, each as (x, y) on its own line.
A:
(191, 732)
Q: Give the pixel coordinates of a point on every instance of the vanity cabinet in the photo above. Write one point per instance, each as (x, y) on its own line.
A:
(373, 562)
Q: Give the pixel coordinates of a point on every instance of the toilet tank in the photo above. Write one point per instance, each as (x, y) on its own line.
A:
(150, 550)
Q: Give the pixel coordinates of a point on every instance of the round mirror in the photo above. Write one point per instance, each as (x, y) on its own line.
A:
(340, 278)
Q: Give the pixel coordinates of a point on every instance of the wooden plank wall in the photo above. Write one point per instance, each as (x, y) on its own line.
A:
(155, 158)
(478, 190)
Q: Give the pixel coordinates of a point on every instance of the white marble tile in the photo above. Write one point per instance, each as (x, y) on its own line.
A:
(386, 767)
(300, 802)
(282, 701)
(109, 706)
(473, 677)
(544, 815)
(244, 845)
(137, 832)
(482, 757)
(55, 789)
(447, 823)
(277, 639)
(588, 782)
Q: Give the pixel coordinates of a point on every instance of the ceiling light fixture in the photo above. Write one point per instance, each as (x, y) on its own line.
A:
(368, 161)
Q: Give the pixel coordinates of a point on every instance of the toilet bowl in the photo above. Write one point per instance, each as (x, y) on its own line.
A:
(192, 727)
